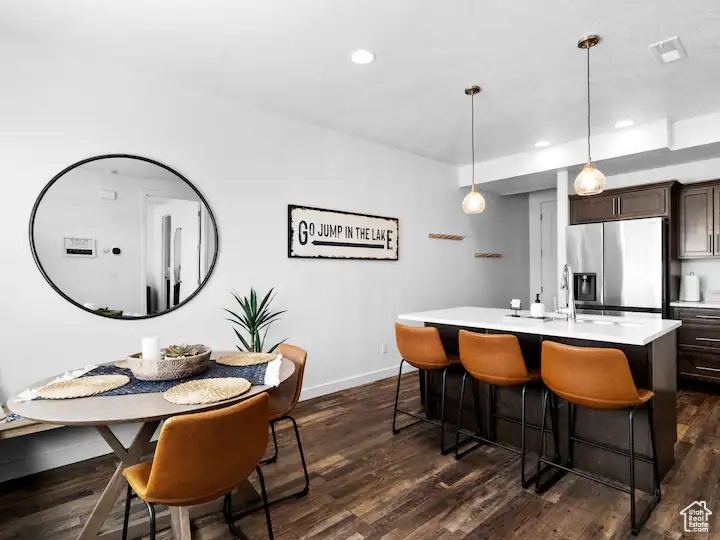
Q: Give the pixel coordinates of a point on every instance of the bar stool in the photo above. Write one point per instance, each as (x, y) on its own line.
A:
(497, 360)
(422, 348)
(598, 379)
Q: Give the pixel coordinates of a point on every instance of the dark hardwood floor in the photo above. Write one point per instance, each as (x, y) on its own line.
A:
(367, 483)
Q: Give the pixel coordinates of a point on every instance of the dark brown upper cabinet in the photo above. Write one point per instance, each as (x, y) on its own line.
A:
(629, 203)
(699, 221)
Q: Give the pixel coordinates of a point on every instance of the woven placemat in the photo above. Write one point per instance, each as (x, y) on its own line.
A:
(207, 390)
(246, 359)
(82, 386)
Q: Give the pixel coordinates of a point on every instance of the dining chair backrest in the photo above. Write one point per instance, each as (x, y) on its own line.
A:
(493, 358)
(201, 456)
(589, 376)
(293, 385)
(421, 347)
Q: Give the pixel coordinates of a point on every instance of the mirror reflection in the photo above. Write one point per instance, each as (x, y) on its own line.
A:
(123, 236)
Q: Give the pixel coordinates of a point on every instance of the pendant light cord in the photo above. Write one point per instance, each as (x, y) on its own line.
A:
(472, 136)
(588, 102)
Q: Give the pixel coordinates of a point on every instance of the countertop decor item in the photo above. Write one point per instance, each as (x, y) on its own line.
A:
(690, 288)
(474, 202)
(488, 255)
(247, 359)
(537, 308)
(590, 181)
(254, 318)
(207, 391)
(82, 386)
(445, 236)
(151, 348)
(178, 362)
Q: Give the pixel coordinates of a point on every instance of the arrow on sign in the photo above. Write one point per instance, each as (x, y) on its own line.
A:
(347, 244)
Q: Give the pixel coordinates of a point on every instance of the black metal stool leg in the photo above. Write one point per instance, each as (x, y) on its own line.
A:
(273, 458)
(397, 396)
(571, 433)
(126, 520)
(631, 434)
(443, 450)
(266, 505)
(460, 412)
(541, 450)
(306, 489)
(656, 472)
(151, 512)
(525, 483)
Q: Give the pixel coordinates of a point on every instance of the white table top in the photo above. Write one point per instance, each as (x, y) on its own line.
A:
(106, 410)
(625, 330)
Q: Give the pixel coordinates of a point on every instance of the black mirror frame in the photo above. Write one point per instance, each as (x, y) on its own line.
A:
(128, 156)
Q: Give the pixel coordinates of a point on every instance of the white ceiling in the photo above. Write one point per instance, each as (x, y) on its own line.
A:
(292, 56)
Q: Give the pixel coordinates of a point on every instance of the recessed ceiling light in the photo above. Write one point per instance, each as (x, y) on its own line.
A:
(542, 144)
(362, 57)
(622, 124)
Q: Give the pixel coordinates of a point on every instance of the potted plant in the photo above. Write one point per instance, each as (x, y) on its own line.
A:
(254, 319)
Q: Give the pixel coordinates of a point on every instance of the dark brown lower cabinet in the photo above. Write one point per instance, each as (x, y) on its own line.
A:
(699, 344)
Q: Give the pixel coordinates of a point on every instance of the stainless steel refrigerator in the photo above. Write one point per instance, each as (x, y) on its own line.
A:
(620, 267)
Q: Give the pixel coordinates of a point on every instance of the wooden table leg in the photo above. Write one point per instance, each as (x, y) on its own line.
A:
(180, 522)
(117, 484)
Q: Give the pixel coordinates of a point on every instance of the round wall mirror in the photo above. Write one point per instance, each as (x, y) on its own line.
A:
(123, 236)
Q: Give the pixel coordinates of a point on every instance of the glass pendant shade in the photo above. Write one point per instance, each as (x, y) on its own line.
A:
(473, 203)
(590, 181)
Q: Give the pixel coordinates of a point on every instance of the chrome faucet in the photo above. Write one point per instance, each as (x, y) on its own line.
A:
(567, 284)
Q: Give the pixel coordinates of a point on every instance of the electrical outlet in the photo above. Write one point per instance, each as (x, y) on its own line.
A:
(383, 347)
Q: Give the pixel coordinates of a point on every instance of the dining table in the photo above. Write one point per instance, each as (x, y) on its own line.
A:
(148, 410)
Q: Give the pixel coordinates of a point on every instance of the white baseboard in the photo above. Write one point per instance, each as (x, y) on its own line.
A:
(350, 382)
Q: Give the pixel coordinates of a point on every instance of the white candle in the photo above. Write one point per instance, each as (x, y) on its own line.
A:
(151, 348)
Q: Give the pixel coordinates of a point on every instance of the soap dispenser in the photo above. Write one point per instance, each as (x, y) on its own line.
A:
(537, 308)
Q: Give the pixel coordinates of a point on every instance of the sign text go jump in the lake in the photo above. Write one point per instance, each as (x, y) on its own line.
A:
(331, 234)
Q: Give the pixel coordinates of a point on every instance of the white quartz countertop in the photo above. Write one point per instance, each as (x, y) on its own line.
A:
(705, 305)
(624, 330)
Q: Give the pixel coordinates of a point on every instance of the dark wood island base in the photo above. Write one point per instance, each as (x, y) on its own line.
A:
(653, 367)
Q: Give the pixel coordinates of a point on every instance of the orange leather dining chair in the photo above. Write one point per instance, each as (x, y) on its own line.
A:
(202, 456)
(496, 360)
(599, 379)
(283, 400)
(421, 347)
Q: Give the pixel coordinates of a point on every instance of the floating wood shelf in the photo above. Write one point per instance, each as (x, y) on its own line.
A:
(488, 255)
(445, 236)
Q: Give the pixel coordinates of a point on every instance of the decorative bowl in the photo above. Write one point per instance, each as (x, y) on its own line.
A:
(169, 369)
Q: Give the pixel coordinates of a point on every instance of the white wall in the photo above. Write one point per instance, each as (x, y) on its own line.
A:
(249, 165)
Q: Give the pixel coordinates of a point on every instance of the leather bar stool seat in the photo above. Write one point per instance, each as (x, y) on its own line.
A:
(600, 379)
(422, 348)
(496, 360)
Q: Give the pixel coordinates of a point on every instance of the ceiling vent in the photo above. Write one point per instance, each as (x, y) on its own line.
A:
(669, 50)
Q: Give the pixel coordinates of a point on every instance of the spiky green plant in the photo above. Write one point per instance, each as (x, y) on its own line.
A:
(254, 319)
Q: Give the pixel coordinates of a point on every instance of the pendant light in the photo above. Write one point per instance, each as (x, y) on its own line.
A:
(474, 202)
(590, 181)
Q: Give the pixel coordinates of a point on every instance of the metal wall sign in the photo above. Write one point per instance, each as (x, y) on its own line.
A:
(315, 233)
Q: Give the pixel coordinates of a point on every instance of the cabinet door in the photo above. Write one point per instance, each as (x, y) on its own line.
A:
(642, 204)
(716, 221)
(696, 229)
(592, 209)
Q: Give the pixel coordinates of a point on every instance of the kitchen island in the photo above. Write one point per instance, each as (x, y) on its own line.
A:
(649, 344)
